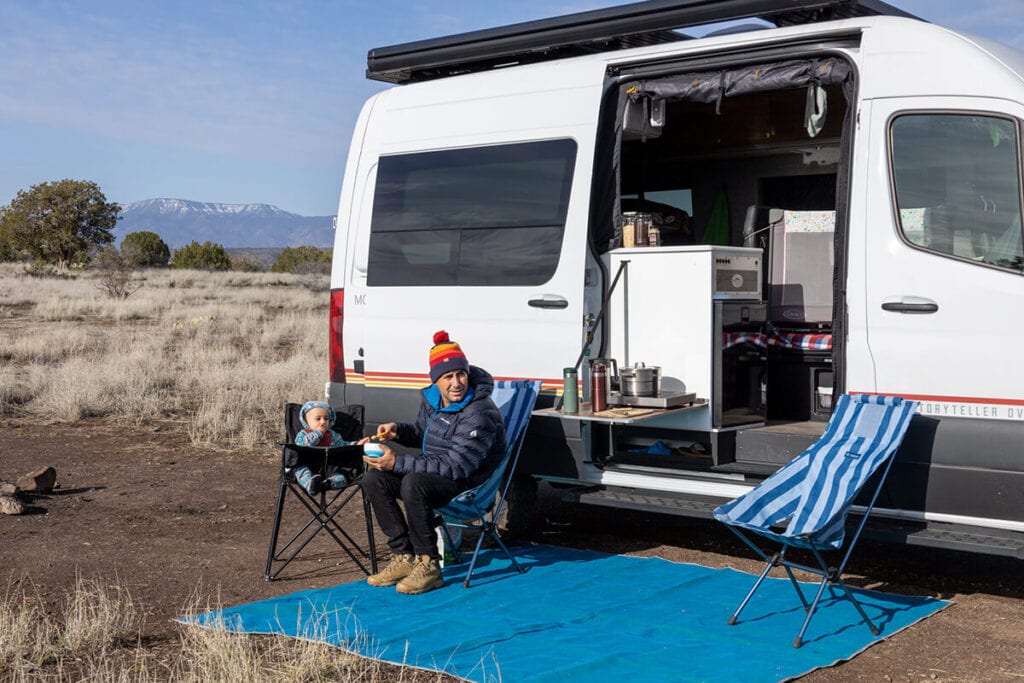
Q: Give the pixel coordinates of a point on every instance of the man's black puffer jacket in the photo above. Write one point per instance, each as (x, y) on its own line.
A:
(464, 440)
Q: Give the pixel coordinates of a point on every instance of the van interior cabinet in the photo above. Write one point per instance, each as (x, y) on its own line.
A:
(677, 308)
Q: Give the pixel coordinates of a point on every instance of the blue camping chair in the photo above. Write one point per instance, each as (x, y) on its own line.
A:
(479, 507)
(805, 503)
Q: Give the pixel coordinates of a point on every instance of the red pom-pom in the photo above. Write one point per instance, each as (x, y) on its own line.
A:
(440, 337)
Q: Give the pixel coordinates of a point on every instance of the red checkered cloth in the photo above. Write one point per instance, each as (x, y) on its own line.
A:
(804, 342)
(731, 339)
(791, 340)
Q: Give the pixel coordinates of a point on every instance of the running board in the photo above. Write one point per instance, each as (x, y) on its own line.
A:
(946, 536)
(631, 499)
(970, 539)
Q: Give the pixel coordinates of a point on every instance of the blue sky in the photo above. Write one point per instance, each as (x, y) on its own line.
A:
(241, 101)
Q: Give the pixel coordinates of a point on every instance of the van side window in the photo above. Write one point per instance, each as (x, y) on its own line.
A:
(490, 215)
(957, 185)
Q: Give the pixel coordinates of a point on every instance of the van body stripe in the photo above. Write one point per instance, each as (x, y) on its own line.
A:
(949, 399)
(418, 380)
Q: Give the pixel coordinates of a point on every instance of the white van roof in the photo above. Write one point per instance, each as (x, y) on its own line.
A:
(614, 28)
(893, 56)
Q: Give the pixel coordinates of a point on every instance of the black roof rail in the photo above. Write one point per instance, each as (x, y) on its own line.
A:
(602, 30)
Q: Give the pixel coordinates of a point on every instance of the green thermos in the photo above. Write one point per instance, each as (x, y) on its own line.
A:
(570, 391)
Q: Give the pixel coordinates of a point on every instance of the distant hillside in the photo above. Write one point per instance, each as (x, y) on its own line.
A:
(180, 221)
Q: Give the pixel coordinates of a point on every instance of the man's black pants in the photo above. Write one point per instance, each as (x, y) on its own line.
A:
(412, 533)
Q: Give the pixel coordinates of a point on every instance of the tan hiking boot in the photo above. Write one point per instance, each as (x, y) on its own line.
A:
(425, 576)
(398, 568)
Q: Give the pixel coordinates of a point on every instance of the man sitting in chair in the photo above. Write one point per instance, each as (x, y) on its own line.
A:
(462, 438)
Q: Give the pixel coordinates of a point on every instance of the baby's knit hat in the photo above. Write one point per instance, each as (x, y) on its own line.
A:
(309, 405)
(446, 356)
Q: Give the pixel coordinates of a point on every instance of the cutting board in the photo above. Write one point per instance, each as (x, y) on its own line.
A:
(624, 411)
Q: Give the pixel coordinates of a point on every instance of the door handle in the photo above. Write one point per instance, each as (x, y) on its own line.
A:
(911, 304)
(549, 301)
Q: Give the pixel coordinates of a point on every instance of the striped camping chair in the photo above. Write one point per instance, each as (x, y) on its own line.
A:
(805, 503)
(479, 507)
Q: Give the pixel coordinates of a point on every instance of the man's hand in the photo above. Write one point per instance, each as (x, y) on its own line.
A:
(384, 463)
(386, 432)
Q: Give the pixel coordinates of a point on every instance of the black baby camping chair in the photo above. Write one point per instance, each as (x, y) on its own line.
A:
(325, 507)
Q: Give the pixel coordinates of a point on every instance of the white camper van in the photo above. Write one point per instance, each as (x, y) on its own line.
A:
(763, 218)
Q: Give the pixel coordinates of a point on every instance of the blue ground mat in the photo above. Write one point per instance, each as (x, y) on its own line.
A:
(584, 616)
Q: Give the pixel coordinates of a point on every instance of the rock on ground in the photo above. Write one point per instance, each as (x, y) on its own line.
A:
(9, 505)
(40, 480)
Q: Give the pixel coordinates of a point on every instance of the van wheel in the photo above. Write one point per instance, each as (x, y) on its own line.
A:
(519, 514)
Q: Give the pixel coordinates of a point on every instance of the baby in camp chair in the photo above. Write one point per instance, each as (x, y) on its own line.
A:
(316, 418)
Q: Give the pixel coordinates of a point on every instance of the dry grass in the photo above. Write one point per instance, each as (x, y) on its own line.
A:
(220, 352)
(96, 638)
(97, 619)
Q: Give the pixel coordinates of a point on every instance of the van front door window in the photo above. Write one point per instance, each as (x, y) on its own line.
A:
(958, 187)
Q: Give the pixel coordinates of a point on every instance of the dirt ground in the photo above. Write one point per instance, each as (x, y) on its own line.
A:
(174, 523)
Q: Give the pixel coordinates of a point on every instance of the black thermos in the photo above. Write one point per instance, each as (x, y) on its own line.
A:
(598, 388)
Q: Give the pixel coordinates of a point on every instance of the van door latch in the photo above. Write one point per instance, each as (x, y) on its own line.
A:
(911, 304)
(549, 301)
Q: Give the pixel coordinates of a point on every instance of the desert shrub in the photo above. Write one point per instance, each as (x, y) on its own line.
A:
(205, 256)
(246, 264)
(302, 260)
(115, 274)
(145, 249)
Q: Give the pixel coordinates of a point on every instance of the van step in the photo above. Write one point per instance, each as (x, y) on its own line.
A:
(947, 536)
(757, 469)
(664, 503)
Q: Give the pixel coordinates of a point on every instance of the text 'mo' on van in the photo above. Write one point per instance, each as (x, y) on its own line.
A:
(765, 217)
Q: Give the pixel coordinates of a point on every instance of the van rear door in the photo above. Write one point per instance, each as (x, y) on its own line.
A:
(478, 225)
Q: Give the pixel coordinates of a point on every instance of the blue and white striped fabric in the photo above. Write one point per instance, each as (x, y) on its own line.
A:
(515, 400)
(812, 494)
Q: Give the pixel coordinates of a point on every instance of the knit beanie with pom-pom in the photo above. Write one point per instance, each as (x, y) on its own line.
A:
(446, 356)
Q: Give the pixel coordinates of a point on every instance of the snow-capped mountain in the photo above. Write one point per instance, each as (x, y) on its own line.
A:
(179, 221)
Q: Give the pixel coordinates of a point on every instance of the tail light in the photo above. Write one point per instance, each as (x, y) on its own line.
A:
(337, 350)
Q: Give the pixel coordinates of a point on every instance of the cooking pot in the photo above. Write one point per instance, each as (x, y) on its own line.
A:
(640, 380)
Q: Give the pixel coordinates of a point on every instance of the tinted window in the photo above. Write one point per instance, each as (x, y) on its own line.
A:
(957, 185)
(480, 216)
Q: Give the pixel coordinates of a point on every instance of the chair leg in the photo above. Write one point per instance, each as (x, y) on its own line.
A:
(472, 560)
(799, 640)
(371, 543)
(497, 539)
(856, 603)
(320, 520)
(272, 550)
(750, 594)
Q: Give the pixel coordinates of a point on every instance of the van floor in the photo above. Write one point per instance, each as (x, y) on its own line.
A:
(813, 428)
